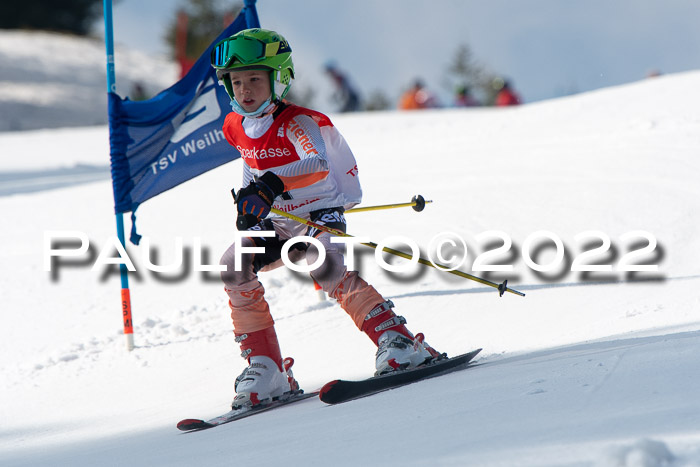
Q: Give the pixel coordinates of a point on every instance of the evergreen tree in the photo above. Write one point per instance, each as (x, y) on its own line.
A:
(71, 16)
(205, 20)
(466, 71)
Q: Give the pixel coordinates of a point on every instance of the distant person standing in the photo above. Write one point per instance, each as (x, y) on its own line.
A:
(463, 98)
(346, 96)
(506, 96)
(417, 97)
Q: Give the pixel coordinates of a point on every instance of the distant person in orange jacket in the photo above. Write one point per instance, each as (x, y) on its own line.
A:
(506, 96)
(418, 97)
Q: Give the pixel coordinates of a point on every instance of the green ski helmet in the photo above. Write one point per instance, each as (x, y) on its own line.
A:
(255, 49)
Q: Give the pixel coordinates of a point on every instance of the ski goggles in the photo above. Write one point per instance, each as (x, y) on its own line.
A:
(247, 50)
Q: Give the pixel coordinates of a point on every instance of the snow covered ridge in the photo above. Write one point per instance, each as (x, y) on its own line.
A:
(577, 373)
(50, 80)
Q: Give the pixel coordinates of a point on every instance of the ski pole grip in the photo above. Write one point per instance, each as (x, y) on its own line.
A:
(246, 221)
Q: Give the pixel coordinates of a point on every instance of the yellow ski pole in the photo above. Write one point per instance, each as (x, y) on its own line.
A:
(502, 288)
(417, 203)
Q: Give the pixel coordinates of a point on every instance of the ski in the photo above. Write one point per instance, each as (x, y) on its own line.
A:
(340, 390)
(193, 424)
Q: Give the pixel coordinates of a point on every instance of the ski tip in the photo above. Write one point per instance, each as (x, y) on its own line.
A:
(474, 353)
(326, 388)
(190, 424)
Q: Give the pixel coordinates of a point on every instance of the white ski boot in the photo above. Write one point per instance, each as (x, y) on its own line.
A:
(268, 377)
(260, 383)
(398, 352)
(397, 348)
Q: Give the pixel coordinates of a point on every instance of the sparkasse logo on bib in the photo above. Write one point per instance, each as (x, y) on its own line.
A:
(254, 153)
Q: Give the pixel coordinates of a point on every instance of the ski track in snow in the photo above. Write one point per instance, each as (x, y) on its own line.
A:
(12, 183)
(529, 397)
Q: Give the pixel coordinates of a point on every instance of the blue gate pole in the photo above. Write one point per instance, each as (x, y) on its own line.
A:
(123, 272)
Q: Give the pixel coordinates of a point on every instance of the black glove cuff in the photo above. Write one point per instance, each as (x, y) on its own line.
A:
(273, 182)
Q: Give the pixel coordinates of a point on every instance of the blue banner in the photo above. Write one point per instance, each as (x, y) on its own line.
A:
(157, 144)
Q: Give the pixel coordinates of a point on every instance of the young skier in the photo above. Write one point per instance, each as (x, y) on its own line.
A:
(298, 162)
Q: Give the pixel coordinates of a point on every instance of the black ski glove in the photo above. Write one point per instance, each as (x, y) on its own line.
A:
(258, 196)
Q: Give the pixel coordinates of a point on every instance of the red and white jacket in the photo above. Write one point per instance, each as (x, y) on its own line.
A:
(304, 149)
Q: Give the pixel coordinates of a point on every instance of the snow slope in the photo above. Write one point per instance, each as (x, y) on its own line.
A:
(587, 369)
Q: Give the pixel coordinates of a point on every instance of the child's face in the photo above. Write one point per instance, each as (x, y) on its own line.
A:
(251, 88)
